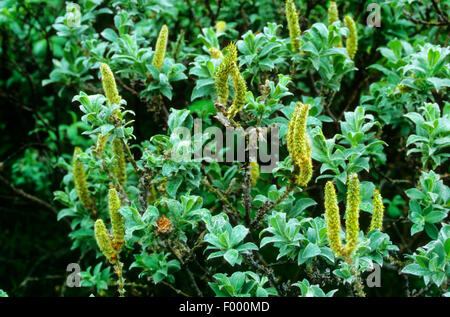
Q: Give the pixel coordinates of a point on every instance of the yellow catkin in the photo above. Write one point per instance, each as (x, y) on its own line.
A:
(223, 71)
(293, 25)
(303, 146)
(352, 214)
(240, 92)
(117, 220)
(160, 49)
(109, 85)
(120, 168)
(152, 195)
(101, 142)
(254, 172)
(80, 180)
(290, 133)
(333, 219)
(104, 242)
(333, 14)
(215, 53)
(228, 67)
(352, 39)
(377, 212)
(305, 173)
(298, 143)
(220, 27)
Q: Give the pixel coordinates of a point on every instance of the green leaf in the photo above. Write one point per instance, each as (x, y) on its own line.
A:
(435, 216)
(237, 280)
(300, 206)
(231, 256)
(414, 193)
(415, 269)
(431, 230)
(311, 250)
(173, 185)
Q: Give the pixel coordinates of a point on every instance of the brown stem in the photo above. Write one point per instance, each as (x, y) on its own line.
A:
(417, 21)
(29, 197)
(260, 266)
(439, 11)
(268, 206)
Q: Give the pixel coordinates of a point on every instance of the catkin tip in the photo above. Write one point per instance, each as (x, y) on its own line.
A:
(293, 24)
(352, 39)
(160, 48)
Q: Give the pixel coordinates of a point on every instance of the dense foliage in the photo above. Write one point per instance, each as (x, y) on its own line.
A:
(95, 171)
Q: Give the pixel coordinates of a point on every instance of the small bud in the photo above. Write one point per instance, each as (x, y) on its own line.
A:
(104, 242)
(220, 27)
(377, 211)
(160, 49)
(352, 39)
(293, 25)
(215, 53)
(117, 220)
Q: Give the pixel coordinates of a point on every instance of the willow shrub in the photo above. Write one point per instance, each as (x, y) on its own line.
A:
(363, 119)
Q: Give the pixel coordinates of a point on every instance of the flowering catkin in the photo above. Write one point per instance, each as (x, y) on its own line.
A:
(377, 212)
(109, 85)
(351, 221)
(120, 168)
(333, 14)
(293, 25)
(228, 67)
(333, 219)
(215, 53)
(254, 172)
(240, 91)
(101, 142)
(223, 71)
(352, 214)
(298, 143)
(104, 242)
(290, 133)
(160, 49)
(352, 39)
(80, 180)
(117, 220)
